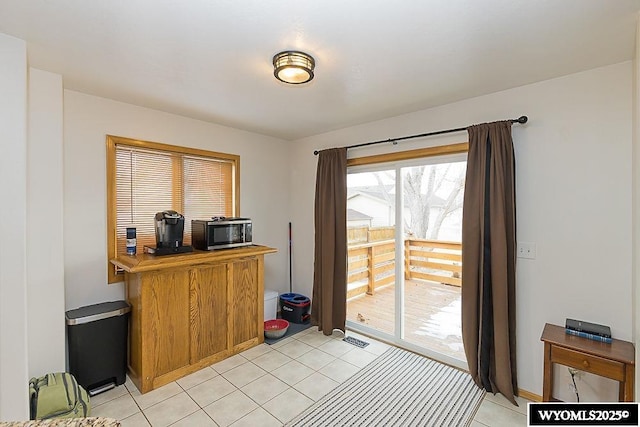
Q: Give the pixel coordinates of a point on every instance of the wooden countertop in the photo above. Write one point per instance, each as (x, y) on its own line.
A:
(148, 262)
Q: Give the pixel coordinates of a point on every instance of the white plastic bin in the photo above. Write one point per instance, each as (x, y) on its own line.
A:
(270, 304)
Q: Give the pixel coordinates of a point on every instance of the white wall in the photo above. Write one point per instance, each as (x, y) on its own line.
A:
(13, 192)
(573, 192)
(45, 273)
(636, 201)
(264, 184)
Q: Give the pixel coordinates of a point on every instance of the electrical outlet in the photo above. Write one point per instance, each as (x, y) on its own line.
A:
(526, 250)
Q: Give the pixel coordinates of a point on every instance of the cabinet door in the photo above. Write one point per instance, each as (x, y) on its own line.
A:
(166, 330)
(209, 330)
(246, 297)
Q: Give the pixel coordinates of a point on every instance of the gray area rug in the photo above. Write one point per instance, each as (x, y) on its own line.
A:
(294, 328)
(401, 389)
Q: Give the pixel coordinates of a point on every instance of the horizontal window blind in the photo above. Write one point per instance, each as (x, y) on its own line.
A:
(144, 186)
(207, 187)
(148, 181)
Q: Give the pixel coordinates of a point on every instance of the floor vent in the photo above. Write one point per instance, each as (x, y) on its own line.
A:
(355, 341)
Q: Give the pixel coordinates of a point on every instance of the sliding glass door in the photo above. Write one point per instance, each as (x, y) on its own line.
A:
(371, 220)
(404, 237)
(433, 256)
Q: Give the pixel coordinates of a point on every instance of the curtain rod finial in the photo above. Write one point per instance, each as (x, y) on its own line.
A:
(315, 152)
(523, 119)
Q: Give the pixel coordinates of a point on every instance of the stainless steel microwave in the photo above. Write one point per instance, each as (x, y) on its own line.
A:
(220, 233)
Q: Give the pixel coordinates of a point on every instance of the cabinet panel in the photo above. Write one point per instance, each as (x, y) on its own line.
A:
(245, 300)
(167, 328)
(134, 362)
(208, 311)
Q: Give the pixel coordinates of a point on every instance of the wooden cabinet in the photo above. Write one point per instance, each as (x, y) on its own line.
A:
(192, 310)
(615, 360)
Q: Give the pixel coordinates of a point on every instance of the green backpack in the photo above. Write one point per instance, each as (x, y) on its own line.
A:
(57, 396)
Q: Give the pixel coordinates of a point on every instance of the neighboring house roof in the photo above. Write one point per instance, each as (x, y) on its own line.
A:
(354, 215)
(377, 192)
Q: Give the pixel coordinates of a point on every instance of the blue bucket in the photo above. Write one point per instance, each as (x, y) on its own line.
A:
(288, 296)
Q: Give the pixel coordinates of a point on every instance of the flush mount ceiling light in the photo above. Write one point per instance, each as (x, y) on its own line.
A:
(293, 67)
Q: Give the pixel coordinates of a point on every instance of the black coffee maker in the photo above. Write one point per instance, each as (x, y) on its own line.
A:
(169, 232)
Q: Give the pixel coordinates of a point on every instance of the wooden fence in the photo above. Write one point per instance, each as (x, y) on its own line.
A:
(372, 264)
(362, 234)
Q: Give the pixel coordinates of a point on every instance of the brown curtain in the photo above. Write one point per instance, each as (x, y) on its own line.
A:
(329, 301)
(489, 258)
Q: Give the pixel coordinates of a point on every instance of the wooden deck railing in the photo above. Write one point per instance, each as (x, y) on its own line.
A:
(372, 265)
(434, 260)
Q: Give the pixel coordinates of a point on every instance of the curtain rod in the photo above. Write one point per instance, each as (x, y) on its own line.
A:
(521, 120)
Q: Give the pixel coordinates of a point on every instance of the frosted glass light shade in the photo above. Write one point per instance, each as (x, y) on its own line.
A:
(293, 67)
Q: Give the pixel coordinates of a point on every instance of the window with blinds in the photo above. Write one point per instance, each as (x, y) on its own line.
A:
(146, 177)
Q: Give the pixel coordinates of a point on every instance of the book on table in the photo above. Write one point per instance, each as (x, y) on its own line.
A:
(588, 327)
(587, 335)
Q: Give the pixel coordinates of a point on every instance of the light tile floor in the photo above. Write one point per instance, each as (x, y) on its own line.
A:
(266, 386)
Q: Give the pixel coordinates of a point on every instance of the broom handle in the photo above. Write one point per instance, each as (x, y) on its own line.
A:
(290, 274)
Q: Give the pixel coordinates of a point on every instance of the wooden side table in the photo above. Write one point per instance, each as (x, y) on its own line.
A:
(615, 360)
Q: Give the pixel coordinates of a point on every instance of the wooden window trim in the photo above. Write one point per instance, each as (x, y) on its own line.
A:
(111, 143)
(441, 150)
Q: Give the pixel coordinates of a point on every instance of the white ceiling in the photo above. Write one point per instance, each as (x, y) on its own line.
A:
(211, 59)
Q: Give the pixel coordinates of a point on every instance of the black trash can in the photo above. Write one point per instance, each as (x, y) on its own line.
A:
(295, 307)
(97, 336)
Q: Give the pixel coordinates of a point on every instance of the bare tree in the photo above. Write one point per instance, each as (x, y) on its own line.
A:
(418, 201)
(451, 205)
(421, 186)
(384, 189)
